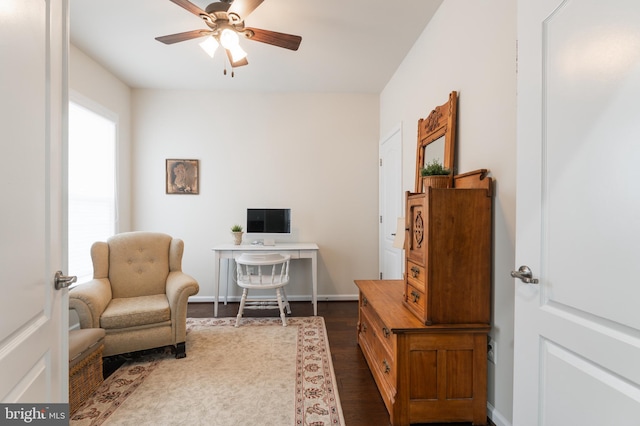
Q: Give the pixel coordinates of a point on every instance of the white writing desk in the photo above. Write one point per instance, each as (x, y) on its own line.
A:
(295, 250)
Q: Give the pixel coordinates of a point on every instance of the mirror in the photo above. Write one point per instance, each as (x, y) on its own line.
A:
(436, 137)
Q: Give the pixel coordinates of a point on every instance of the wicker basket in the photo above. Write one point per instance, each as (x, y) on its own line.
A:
(84, 378)
(437, 181)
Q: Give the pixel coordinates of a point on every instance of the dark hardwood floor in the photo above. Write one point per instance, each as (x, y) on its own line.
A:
(361, 402)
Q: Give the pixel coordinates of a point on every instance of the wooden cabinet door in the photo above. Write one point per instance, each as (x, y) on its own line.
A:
(417, 221)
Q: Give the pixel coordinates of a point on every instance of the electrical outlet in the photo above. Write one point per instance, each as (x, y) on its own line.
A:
(492, 350)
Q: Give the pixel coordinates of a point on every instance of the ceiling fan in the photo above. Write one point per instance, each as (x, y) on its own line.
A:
(225, 20)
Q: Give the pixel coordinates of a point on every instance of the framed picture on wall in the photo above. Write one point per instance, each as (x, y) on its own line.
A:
(182, 176)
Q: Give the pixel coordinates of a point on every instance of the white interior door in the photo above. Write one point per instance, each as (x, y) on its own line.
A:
(33, 336)
(577, 332)
(391, 200)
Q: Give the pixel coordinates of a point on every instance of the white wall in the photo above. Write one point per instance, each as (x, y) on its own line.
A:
(470, 47)
(314, 153)
(94, 87)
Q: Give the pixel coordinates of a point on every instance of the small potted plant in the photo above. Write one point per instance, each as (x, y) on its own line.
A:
(236, 230)
(435, 175)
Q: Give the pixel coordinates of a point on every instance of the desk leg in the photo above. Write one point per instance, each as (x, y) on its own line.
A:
(216, 282)
(314, 278)
(226, 285)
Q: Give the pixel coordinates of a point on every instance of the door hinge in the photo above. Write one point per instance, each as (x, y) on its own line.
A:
(380, 275)
(381, 162)
(381, 219)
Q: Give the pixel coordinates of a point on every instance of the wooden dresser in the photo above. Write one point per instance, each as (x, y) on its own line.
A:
(425, 337)
(425, 373)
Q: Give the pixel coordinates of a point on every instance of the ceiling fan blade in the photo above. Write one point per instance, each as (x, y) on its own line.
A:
(186, 4)
(175, 38)
(243, 8)
(288, 41)
(242, 62)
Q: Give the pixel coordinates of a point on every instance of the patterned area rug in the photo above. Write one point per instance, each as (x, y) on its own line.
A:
(257, 374)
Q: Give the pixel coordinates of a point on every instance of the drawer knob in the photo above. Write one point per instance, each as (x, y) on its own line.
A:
(415, 296)
(415, 271)
(365, 302)
(386, 332)
(387, 367)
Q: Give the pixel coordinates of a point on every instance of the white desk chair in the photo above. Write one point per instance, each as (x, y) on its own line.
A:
(263, 271)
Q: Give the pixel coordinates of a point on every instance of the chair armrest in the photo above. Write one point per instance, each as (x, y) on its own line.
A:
(90, 299)
(179, 287)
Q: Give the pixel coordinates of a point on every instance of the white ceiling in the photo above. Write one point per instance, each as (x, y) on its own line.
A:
(347, 45)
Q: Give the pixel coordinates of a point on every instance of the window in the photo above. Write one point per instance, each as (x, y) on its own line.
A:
(92, 186)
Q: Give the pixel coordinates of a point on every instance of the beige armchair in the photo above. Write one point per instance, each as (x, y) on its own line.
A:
(138, 294)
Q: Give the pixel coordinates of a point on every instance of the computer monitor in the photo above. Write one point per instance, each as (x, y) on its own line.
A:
(268, 221)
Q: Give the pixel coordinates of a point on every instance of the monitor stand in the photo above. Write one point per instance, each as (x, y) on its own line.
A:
(264, 242)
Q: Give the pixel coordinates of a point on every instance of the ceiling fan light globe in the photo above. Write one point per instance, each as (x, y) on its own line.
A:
(229, 39)
(237, 53)
(209, 45)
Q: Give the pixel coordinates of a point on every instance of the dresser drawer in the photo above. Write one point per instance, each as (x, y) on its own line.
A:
(379, 340)
(377, 328)
(416, 300)
(416, 275)
(380, 360)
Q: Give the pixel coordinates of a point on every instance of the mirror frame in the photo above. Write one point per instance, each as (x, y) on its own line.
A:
(440, 122)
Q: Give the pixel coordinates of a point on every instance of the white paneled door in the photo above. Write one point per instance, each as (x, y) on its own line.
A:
(577, 330)
(391, 199)
(33, 86)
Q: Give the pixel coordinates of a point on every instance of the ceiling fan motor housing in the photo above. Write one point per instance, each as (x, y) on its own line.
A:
(219, 12)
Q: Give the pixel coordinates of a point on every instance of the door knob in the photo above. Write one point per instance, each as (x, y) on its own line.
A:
(63, 281)
(524, 274)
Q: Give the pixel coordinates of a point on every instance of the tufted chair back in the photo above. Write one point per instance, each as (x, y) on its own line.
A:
(136, 263)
